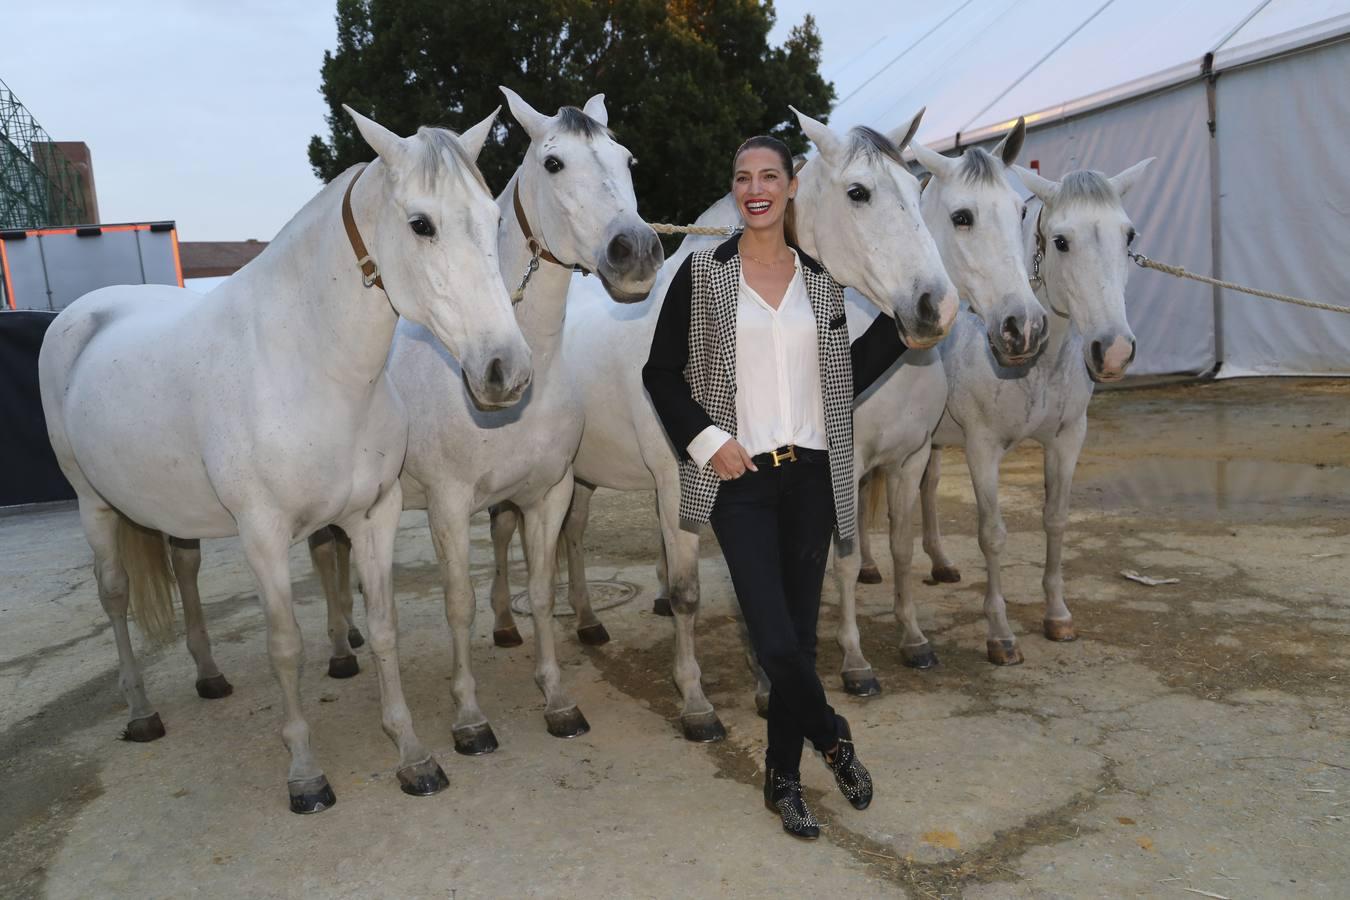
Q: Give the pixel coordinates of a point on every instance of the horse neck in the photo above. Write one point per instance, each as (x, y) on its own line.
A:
(540, 314)
(308, 295)
(1061, 328)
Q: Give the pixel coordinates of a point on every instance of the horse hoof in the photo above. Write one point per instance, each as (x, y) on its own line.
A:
(661, 606)
(355, 638)
(507, 637)
(567, 723)
(861, 684)
(920, 656)
(343, 667)
(946, 574)
(1060, 629)
(762, 705)
(311, 795)
(1004, 652)
(593, 635)
(423, 779)
(474, 740)
(869, 575)
(214, 688)
(703, 729)
(144, 730)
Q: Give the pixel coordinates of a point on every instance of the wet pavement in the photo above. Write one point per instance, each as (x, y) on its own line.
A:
(1193, 739)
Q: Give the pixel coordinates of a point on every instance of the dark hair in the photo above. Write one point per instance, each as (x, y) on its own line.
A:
(768, 142)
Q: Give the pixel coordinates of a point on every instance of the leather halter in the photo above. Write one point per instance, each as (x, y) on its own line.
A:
(370, 272)
(536, 246)
(1037, 279)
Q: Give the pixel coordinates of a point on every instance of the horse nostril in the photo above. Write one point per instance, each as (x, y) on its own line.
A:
(620, 249)
(654, 248)
(1134, 348)
(496, 374)
(928, 310)
(1011, 331)
(1098, 356)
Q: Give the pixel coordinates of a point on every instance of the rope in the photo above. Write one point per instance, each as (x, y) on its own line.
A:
(711, 230)
(1144, 262)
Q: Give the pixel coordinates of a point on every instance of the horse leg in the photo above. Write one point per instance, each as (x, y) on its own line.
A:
(943, 570)
(265, 548)
(344, 588)
(187, 563)
(698, 719)
(449, 521)
(983, 457)
(763, 687)
(323, 554)
(543, 523)
(1061, 457)
(504, 517)
(372, 534)
(868, 573)
(100, 529)
(590, 630)
(859, 679)
(903, 489)
(661, 605)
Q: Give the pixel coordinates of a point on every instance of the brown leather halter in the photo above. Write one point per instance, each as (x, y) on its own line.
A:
(536, 246)
(370, 272)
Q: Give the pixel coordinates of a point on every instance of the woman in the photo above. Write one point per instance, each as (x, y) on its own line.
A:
(753, 378)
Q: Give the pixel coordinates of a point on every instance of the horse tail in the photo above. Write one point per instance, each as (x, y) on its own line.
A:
(144, 554)
(875, 499)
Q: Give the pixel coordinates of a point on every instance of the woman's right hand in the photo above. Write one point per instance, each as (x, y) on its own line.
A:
(730, 461)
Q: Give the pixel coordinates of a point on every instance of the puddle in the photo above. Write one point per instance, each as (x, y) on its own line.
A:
(1225, 490)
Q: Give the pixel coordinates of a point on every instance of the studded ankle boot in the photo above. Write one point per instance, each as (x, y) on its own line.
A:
(849, 773)
(783, 795)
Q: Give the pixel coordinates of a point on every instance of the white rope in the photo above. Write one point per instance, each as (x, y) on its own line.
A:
(711, 230)
(1177, 271)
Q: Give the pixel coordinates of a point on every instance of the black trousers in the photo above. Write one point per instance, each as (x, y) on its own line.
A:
(774, 526)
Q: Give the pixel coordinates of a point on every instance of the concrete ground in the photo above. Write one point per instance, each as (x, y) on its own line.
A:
(1193, 742)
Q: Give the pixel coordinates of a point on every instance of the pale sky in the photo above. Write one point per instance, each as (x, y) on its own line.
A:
(201, 112)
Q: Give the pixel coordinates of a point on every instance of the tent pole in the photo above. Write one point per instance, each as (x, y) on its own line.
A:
(1215, 220)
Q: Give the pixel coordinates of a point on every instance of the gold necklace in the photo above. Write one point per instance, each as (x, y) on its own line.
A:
(762, 262)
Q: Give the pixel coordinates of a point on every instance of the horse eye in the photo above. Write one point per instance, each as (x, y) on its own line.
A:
(963, 218)
(553, 165)
(1129, 238)
(1024, 212)
(421, 226)
(859, 194)
(1061, 243)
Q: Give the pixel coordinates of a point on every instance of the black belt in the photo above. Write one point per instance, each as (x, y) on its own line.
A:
(790, 453)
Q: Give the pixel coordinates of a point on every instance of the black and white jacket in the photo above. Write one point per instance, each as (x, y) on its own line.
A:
(691, 372)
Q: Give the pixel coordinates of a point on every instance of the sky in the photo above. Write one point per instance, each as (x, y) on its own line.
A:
(201, 112)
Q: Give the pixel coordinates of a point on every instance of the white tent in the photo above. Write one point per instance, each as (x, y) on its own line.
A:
(1246, 105)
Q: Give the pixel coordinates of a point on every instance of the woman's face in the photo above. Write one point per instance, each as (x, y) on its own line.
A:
(761, 187)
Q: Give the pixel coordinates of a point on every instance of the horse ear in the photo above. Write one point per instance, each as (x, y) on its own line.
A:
(595, 108)
(1011, 145)
(1043, 188)
(387, 145)
(1125, 180)
(902, 137)
(532, 120)
(474, 138)
(826, 141)
(941, 166)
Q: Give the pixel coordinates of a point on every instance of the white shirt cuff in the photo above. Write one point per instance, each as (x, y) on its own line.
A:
(708, 442)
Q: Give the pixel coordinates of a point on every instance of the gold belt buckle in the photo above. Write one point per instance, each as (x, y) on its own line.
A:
(789, 456)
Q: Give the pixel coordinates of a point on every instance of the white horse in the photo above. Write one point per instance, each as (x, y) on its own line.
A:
(1075, 236)
(858, 213)
(263, 409)
(975, 217)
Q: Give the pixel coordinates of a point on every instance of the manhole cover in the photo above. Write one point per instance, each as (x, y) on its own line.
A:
(604, 595)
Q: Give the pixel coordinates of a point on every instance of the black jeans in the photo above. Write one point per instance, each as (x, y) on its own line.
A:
(774, 526)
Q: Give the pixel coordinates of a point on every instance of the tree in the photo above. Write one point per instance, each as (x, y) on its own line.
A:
(685, 81)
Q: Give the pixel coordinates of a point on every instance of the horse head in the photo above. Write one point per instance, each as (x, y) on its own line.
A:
(858, 213)
(431, 225)
(1082, 233)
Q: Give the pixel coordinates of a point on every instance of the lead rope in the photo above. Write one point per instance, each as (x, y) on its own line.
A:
(1178, 272)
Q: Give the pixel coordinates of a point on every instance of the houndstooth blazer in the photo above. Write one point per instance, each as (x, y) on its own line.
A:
(691, 373)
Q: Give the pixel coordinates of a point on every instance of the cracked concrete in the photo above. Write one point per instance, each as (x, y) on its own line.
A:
(1194, 737)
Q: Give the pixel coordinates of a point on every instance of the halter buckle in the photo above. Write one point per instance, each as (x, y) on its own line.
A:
(368, 275)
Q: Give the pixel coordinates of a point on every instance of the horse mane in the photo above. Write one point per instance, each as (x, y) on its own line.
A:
(573, 121)
(1088, 187)
(441, 149)
(871, 145)
(978, 166)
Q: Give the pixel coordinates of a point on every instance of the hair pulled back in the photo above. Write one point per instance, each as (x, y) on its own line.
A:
(768, 142)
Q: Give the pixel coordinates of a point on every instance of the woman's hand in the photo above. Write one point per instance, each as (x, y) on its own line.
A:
(730, 461)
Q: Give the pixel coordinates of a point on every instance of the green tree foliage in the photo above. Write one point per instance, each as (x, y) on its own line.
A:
(685, 81)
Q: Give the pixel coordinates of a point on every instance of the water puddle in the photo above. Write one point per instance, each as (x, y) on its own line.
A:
(1224, 490)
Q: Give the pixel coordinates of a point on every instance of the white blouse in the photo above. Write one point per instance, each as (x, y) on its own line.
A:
(778, 398)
